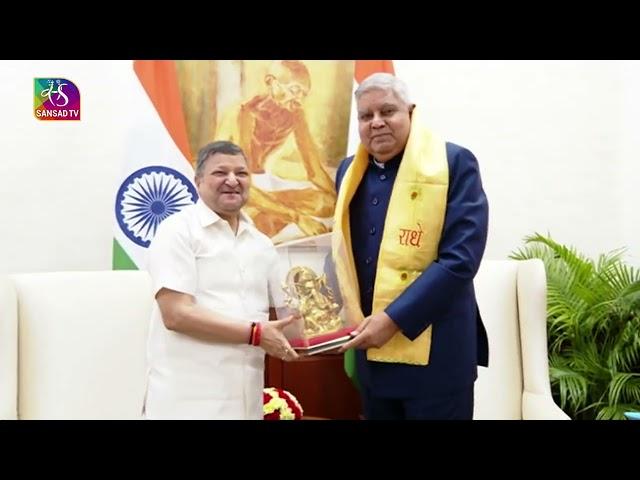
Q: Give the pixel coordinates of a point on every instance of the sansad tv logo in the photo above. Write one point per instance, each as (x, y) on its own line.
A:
(56, 99)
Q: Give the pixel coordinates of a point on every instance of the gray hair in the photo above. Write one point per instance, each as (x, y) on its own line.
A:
(221, 146)
(384, 81)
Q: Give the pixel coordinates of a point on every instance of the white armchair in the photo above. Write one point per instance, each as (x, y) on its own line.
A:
(82, 344)
(513, 300)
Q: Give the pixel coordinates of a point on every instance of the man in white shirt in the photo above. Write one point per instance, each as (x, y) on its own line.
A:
(213, 275)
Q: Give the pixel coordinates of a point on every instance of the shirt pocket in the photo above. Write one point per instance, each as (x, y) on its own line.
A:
(217, 271)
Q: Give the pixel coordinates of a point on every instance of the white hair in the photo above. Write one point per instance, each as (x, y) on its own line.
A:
(384, 81)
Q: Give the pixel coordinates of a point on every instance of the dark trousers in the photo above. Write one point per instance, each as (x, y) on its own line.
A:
(457, 405)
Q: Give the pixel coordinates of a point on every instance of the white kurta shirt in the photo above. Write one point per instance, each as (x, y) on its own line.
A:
(195, 251)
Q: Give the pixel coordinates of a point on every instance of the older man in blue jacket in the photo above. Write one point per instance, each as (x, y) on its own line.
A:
(412, 210)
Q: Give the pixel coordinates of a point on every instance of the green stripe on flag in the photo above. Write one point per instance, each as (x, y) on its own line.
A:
(350, 367)
(121, 260)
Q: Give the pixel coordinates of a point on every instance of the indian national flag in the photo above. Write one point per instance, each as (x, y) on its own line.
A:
(363, 68)
(157, 175)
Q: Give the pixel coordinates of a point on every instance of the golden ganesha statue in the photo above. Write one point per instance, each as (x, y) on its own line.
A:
(309, 293)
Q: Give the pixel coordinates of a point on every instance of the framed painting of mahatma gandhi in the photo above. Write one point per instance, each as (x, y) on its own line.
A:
(309, 287)
(291, 118)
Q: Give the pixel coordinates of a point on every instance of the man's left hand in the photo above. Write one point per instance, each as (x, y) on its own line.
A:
(374, 331)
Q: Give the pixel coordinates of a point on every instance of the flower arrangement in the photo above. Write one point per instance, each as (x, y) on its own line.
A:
(279, 404)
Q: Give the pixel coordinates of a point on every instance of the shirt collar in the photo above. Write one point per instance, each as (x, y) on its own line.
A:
(209, 217)
(392, 164)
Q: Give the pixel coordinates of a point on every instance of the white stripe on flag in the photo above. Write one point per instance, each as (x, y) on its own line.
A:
(148, 144)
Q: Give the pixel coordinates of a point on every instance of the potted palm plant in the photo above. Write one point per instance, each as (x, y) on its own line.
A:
(593, 328)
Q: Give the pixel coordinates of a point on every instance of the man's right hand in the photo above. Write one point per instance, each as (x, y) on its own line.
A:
(273, 341)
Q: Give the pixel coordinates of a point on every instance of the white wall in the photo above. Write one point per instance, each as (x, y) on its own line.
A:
(556, 142)
(58, 179)
(627, 184)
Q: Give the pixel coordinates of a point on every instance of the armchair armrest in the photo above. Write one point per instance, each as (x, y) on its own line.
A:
(541, 407)
(8, 350)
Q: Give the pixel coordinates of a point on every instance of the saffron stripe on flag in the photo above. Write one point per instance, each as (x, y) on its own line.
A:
(160, 80)
(364, 68)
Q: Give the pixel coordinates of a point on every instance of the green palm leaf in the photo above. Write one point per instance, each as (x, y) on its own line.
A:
(593, 320)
